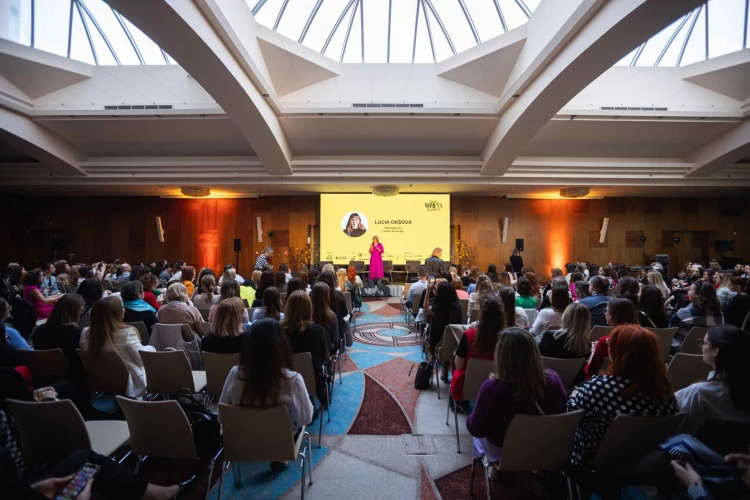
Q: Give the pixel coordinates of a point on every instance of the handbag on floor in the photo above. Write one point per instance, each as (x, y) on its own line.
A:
(423, 378)
(203, 422)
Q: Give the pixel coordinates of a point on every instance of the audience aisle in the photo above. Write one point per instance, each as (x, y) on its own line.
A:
(386, 439)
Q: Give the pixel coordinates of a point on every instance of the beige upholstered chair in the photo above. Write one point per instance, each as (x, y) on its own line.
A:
(47, 367)
(599, 331)
(302, 363)
(169, 371)
(630, 437)
(107, 374)
(142, 331)
(665, 337)
(691, 344)
(464, 310)
(567, 369)
(255, 435)
(218, 367)
(50, 431)
(687, 369)
(477, 371)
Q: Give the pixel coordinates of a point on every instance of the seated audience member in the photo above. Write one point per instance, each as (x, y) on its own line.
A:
(255, 278)
(137, 309)
(454, 273)
(597, 302)
(509, 269)
(582, 290)
(177, 310)
(91, 290)
(519, 384)
(656, 279)
(294, 285)
(247, 291)
(354, 287)
(738, 307)
(416, 289)
(555, 272)
(61, 331)
(205, 296)
(272, 307)
(107, 332)
(618, 312)
(536, 290)
(557, 281)
(444, 310)
(12, 336)
(704, 310)
(177, 274)
(474, 274)
(341, 279)
(550, 318)
(306, 336)
(150, 291)
(312, 277)
(323, 316)
(628, 288)
(234, 276)
(635, 384)
(477, 342)
(267, 280)
(725, 396)
(492, 273)
(166, 272)
(336, 301)
(205, 271)
(503, 279)
(514, 315)
(650, 308)
(264, 377)
(575, 278)
(525, 299)
(42, 305)
(573, 339)
(284, 267)
(281, 281)
(460, 292)
(570, 268)
(483, 289)
(188, 273)
(229, 288)
(227, 331)
(123, 273)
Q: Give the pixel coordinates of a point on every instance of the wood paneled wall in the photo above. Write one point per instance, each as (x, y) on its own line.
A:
(202, 231)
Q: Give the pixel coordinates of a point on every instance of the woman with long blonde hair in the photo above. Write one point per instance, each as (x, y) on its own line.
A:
(572, 340)
(107, 332)
(228, 329)
(656, 279)
(484, 288)
(341, 279)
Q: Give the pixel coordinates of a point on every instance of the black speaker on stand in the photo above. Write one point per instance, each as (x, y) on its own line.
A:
(237, 250)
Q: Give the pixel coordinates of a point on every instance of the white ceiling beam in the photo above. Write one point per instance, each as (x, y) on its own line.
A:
(23, 134)
(574, 55)
(721, 152)
(182, 30)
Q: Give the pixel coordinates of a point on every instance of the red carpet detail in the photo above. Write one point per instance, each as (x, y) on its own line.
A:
(394, 375)
(347, 364)
(512, 485)
(379, 413)
(425, 488)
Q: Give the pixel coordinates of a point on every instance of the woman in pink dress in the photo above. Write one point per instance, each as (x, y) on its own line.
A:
(42, 305)
(376, 259)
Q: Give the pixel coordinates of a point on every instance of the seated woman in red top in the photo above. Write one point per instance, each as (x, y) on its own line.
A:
(618, 312)
(478, 342)
(518, 384)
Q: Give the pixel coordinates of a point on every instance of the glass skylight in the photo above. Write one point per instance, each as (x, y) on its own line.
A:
(85, 30)
(397, 31)
(711, 30)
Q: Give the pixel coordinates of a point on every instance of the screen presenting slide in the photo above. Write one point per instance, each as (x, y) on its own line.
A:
(409, 226)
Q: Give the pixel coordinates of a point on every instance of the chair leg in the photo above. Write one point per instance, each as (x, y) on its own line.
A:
(302, 484)
(448, 408)
(437, 377)
(320, 432)
(238, 474)
(138, 463)
(571, 496)
(210, 476)
(487, 466)
(309, 457)
(334, 375)
(455, 418)
(221, 478)
(471, 481)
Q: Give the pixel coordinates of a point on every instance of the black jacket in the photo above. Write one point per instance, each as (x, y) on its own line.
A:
(434, 266)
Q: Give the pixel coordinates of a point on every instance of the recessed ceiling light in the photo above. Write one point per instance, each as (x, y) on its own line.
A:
(516, 95)
(456, 114)
(367, 114)
(265, 95)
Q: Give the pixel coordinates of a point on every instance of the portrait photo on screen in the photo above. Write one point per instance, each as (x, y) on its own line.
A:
(354, 224)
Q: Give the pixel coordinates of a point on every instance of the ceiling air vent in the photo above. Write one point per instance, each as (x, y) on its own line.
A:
(139, 106)
(385, 105)
(630, 108)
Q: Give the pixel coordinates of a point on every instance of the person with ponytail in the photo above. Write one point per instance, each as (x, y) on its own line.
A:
(514, 315)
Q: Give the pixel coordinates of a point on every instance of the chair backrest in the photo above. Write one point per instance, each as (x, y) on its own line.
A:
(599, 331)
(412, 266)
(47, 367)
(387, 266)
(116, 286)
(464, 309)
(746, 323)
(107, 374)
(630, 437)
(158, 428)
(50, 431)
(687, 369)
(567, 369)
(246, 303)
(359, 265)
(447, 347)
(204, 313)
(477, 371)
(165, 335)
(348, 300)
(218, 367)
(167, 371)
(407, 286)
(531, 314)
(61, 287)
(106, 284)
(474, 316)
(254, 435)
(416, 304)
(665, 337)
(142, 331)
(163, 284)
(250, 312)
(302, 363)
(691, 343)
(208, 327)
(539, 442)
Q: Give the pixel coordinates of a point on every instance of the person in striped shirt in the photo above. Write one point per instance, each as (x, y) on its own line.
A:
(263, 258)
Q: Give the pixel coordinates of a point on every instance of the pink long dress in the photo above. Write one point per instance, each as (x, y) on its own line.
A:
(376, 262)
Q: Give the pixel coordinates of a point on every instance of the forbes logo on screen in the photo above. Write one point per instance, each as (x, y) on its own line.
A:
(433, 206)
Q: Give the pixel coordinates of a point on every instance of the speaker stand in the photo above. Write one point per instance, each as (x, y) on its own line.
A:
(237, 260)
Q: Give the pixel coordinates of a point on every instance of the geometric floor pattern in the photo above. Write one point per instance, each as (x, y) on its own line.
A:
(385, 440)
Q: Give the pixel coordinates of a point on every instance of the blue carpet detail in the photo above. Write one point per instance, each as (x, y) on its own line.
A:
(346, 400)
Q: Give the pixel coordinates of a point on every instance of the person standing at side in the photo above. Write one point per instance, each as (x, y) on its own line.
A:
(376, 259)
(263, 259)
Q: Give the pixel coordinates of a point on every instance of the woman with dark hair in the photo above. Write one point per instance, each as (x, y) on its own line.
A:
(516, 261)
(267, 280)
(264, 378)
(536, 290)
(305, 336)
(704, 309)
(593, 270)
(294, 285)
(91, 290)
(514, 315)
(322, 314)
(519, 384)
(61, 331)
(312, 277)
(229, 288)
(575, 277)
(737, 308)
(205, 295)
(205, 271)
(272, 307)
(525, 300)
(617, 312)
(582, 290)
(478, 342)
(188, 273)
(650, 308)
(12, 336)
(150, 291)
(550, 318)
(281, 281)
(42, 305)
(337, 301)
(137, 309)
(509, 269)
(627, 288)
(445, 310)
(636, 384)
(725, 396)
(227, 330)
(492, 273)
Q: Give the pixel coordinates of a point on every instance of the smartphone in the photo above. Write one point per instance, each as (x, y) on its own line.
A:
(78, 483)
(433, 279)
